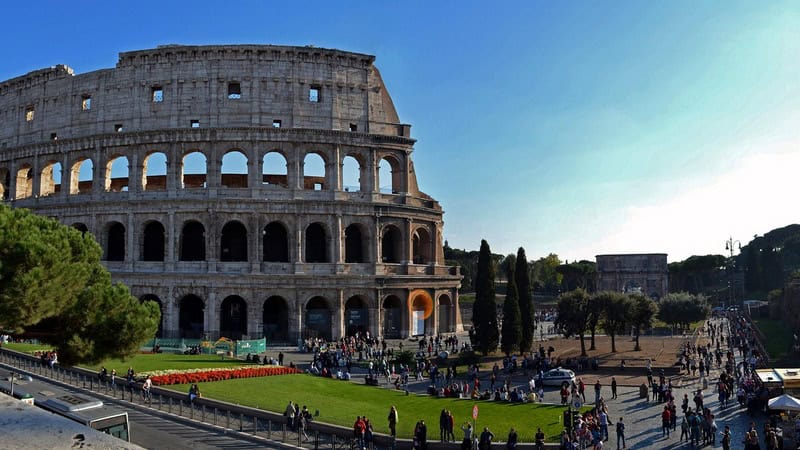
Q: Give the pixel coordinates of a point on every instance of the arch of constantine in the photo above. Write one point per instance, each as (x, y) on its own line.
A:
(250, 190)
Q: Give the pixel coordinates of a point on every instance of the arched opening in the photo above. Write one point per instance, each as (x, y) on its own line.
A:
(392, 317)
(421, 246)
(81, 177)
(233, 318)
(115, 244)
(191, 318)
(193, 170)
(353, 244)
(421, 311)
(154, 298)
(276, 243)
(5, 181)
(351, 174)
(273, 170)
(391, 245)
(275, 319)
(447, 319)
(356, 316)
(24, 182)
(193, 242)
(153, 242)
(117, 174)
(50, 180)
(318, 319)
(80, 227)
(313, 172)
(389, 176)
(154, 172)
(233, 243)
(234, 169)
(316, 244)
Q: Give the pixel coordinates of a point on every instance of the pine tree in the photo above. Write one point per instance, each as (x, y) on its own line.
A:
(523, 281)
(511, 334)
(484, 311)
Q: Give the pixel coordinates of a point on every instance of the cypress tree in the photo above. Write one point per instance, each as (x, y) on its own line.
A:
(484, 311)
(512, 323)
(523, 282)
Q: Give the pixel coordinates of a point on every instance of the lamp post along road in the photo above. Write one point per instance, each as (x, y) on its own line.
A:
(730, 245)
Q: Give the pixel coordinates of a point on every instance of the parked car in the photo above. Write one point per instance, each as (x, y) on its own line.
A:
(554, 377)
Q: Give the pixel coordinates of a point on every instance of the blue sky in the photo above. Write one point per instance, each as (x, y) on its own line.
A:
(577, 128)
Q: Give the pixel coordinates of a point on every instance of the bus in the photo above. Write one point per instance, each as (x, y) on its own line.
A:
(75, 406)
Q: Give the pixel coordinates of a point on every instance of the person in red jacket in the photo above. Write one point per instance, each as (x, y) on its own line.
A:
(359, 428)
(666, 421)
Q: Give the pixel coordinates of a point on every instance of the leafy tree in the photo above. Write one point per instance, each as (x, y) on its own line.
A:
(512, 321)
(572, 315)
(616, 316)
(594, 311)
(523, 281)
(682, 308)
(545, 275)
(578, 275)
(643, 311)
(53, 287)
(776, 303)
(484, 310)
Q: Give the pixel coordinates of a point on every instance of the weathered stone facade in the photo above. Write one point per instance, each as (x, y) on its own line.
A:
(260, 251)
(646, 273)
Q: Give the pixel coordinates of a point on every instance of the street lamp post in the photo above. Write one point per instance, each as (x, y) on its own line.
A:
(730, 245)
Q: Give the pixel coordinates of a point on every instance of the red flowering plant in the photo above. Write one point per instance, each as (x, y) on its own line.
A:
(167, 377)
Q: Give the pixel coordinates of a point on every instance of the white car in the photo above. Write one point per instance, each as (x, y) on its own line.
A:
(554, 377)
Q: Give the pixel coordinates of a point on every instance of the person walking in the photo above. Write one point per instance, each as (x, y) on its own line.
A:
(726, 438)
(597, 388)
(393, 421)
(485, 442)
(613, 387)
(539, 439)
(620, 433)
(511, 442)
(665, 422)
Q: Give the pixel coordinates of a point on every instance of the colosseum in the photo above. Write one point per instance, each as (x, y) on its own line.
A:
(215, 178)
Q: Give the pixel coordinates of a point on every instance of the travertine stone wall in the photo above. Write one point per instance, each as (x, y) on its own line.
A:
(203, 243)
(646, 273)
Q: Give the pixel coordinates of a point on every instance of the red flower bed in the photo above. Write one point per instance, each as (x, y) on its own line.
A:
(221, 374)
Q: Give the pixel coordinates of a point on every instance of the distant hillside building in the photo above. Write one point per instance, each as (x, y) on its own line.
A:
(646, 273)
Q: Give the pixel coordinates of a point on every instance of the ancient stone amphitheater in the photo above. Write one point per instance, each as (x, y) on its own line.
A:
(215, 178)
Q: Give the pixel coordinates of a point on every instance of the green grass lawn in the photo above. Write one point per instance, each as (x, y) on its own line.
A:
(778, 337)
(145, 362)
(340, 402)
(27, 348)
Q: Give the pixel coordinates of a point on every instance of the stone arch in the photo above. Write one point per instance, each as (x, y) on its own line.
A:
(316, 243)
(234, 169)
(153, 241)
(314, 171)
(24, 182)
(421, 246)
(356, 315)
(50, 179)
(154, 298)
(115, 242)
(392, 317)
(81, 177)
(233, 242)
(194, 170)
(154, 172)
(5, 182)
(233, 318)
(275, 242)
(420, 305)
(117, 173)
(275, 319)
(355, 244)
(80, 227)
(352, 174)
(274, 170)
(193, 241)
(318, 317)
(391, 244)
(390, 175)
(191, 317)
(447, 319)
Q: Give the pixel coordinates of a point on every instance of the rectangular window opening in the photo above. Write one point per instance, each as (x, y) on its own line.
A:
(313, 94)
(195, 124)
(29, 114)
(53, 136)
(118, 128)
(86, 102)
(276, 123)
(158, 94)
(234, 91)
(353, 127)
